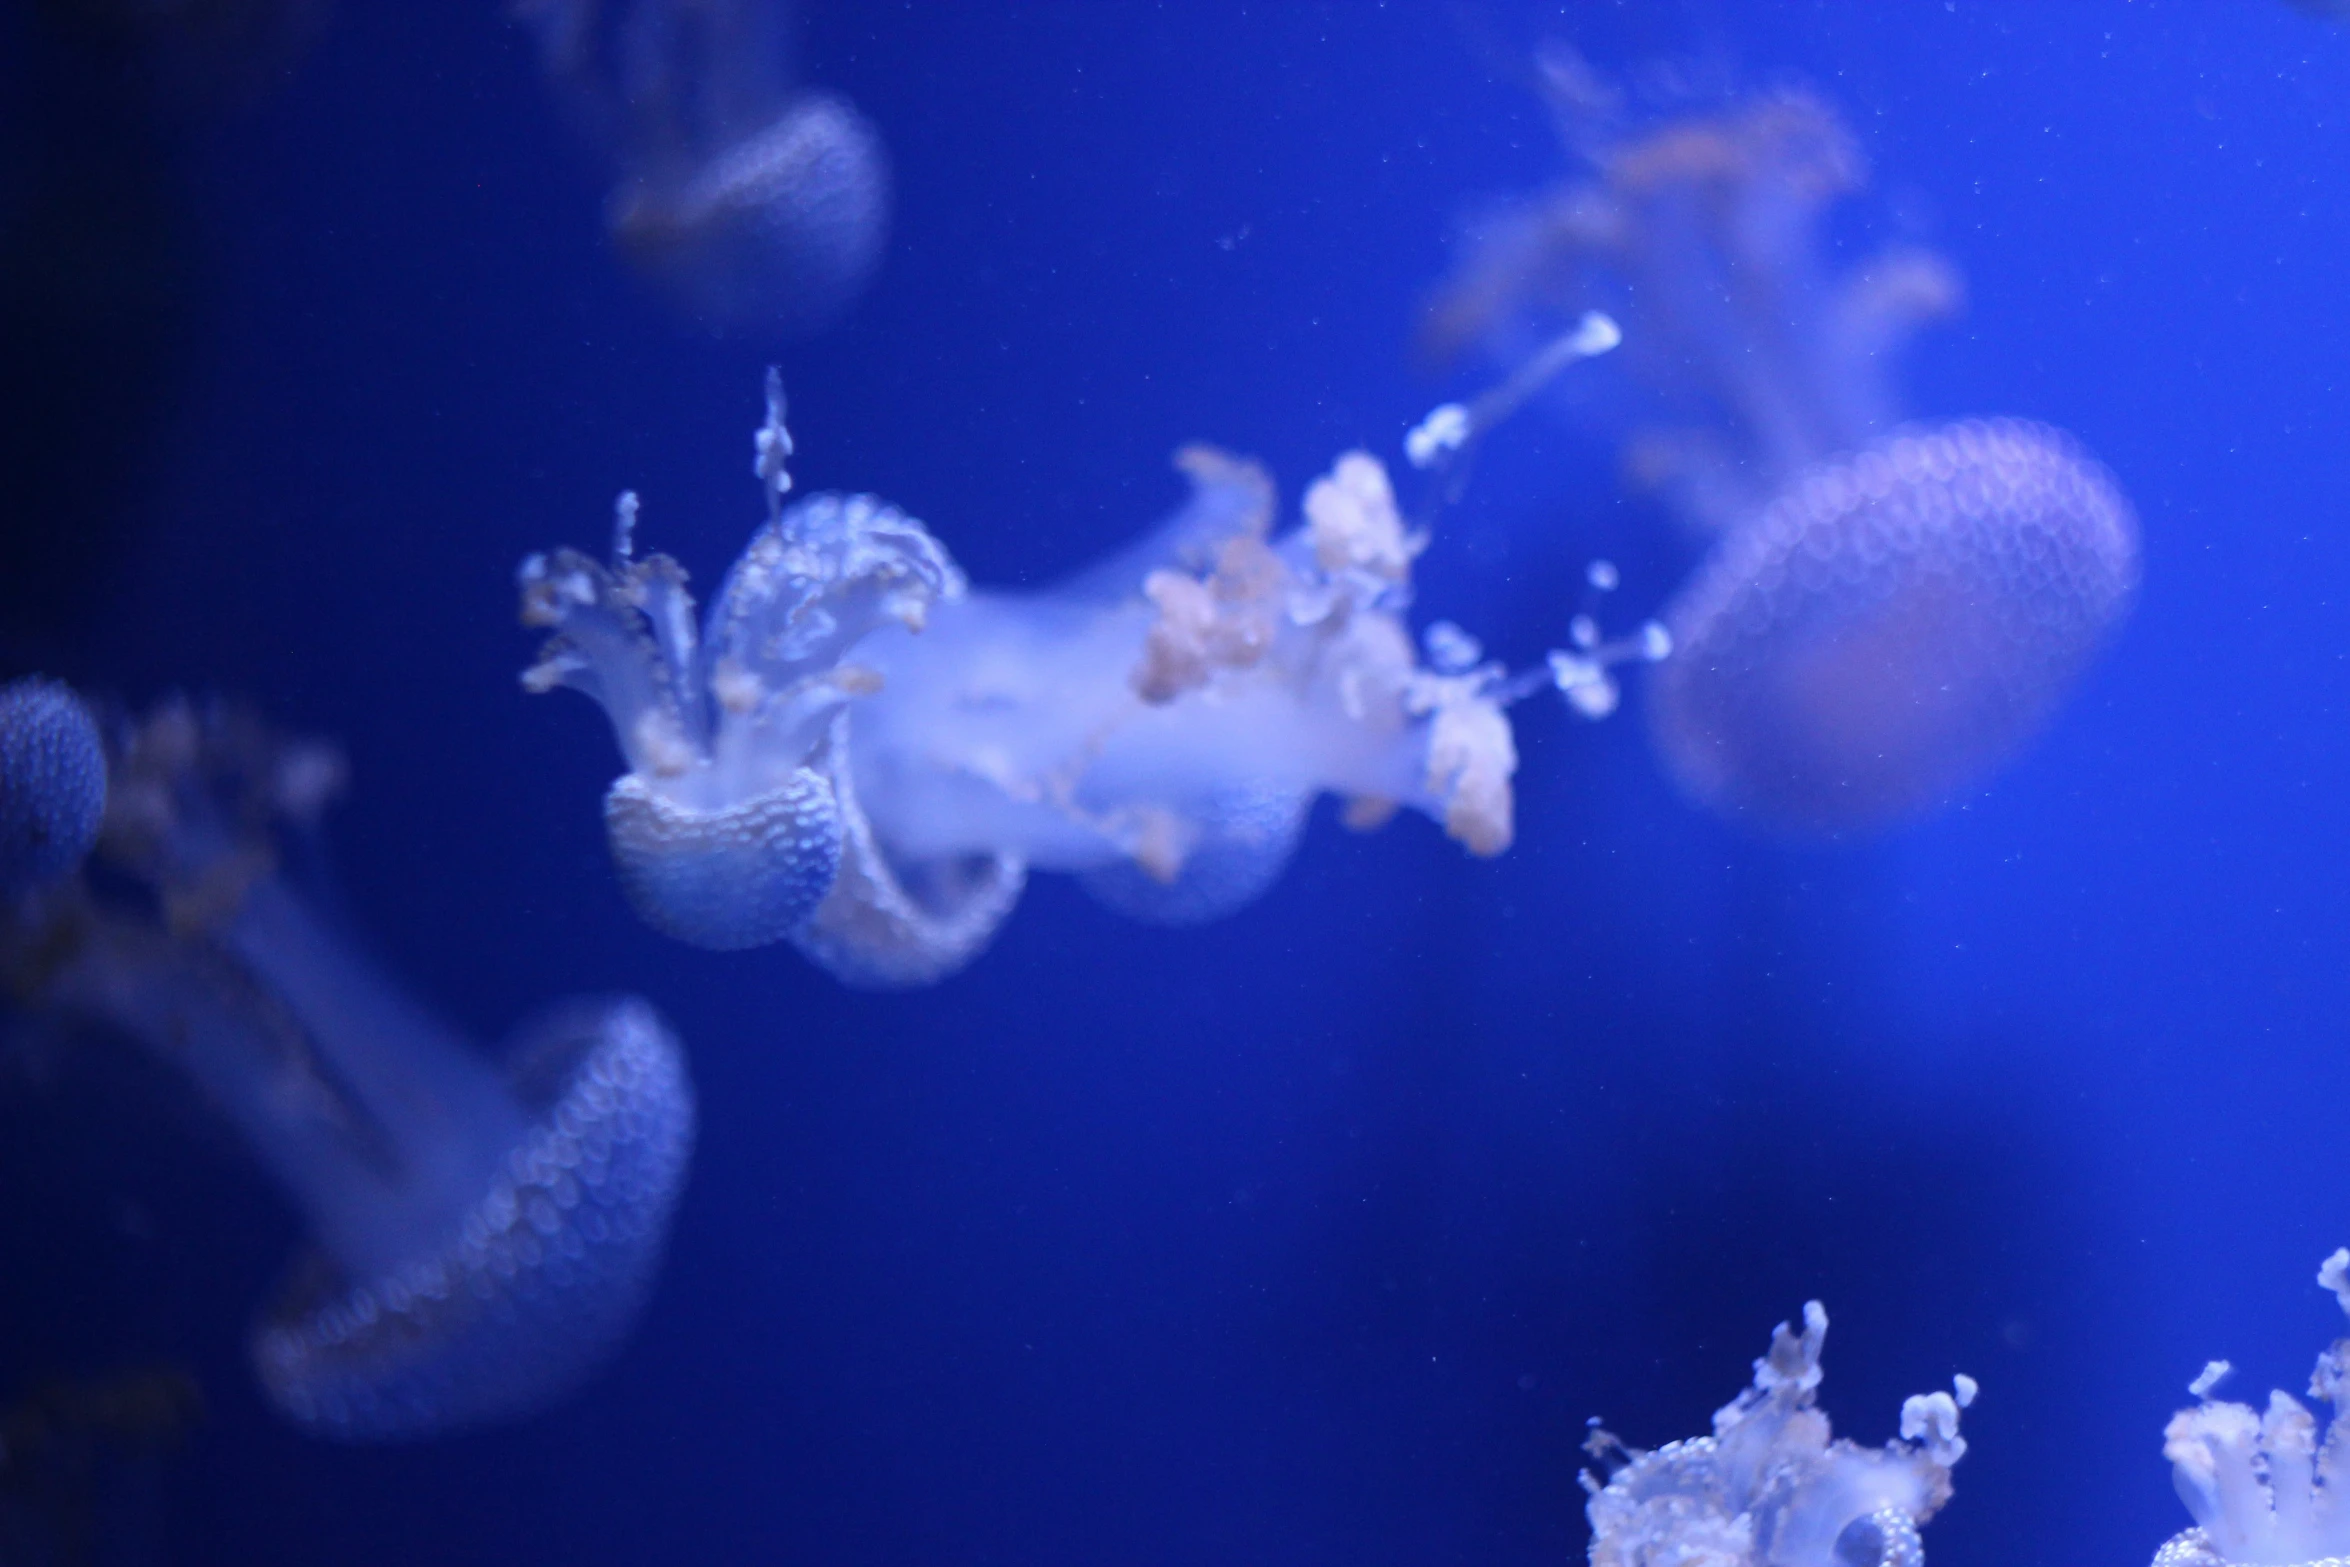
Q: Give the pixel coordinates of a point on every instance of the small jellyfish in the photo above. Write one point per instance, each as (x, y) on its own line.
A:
(52, 782)
(2263, 1485)
(1885, 612)
(758, 204)
(861, 754)
(482, 1237)
(1771, 1486)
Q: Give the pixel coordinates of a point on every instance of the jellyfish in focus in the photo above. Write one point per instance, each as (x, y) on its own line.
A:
(1771, 1485)
(52, 782)
(482, 1237)
(1884, 612)
(755, 203)
(861, 754)
(2263, 1485)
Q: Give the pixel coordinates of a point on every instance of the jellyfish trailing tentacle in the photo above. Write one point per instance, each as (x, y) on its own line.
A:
(1157, 726)
(2266, 1486)
(1772, 1485)
(1884, 612)
(481, 1238)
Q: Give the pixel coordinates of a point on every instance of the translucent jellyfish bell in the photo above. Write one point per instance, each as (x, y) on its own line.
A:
(52, 782)
(1157, 725)
(1771, 1487)
(1885, 613)
(483, 1236)
(755, 202)
(2265, 1487)
(1892, 625)
(782, 227)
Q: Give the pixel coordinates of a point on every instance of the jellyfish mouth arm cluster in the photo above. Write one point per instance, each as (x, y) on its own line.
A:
(1080, 731)
(2266, 1487)
(1772, 1484)
(1701, 229)
(482, 1237)
(853, 722)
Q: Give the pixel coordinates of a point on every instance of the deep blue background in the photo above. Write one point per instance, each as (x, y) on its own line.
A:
(1315, 1235)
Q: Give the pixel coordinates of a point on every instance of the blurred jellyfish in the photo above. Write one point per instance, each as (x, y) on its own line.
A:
(859, 753)
(52, 782)
(482, 1237)
(757, 204)
(2263, 1485)
(1885, 613)
(1770, 1486)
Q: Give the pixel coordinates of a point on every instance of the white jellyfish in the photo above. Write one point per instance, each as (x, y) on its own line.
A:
(2264, 1486)
(482, 1235)
(1772, 1487)
(756, 202)
(1884, 613)
(858, 752)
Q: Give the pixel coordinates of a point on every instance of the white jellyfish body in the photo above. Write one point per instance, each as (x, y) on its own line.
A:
(2266, 1487)
(755, 202)
(482, 1235)
(1157, 725)
(1772, 1487)
(1883, 615)
(52, 782)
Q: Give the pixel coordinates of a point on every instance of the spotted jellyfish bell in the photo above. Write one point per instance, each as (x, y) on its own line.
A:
(1892, 626)
(781, 228)
(759, 204)
(52, 782)
(727, 828)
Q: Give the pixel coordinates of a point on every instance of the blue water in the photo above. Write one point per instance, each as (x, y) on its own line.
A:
(1314, 1235)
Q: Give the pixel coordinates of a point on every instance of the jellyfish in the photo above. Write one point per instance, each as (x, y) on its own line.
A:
(859, 753)
(757, 204)
(481, 1237)
(2264, 1486)
(52, 782)
(1883, 612)
(1771, 1485)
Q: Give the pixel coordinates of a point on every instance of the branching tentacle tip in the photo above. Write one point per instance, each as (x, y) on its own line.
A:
(1596, 334)
(1444, 431)
(2334, 1274)
(773, 446)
